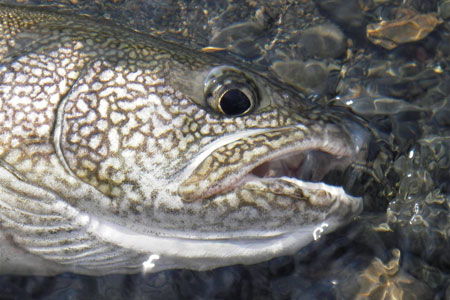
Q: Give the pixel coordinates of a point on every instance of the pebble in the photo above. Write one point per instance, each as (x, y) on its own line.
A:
(444, 9)
(388, 281)
(239, 38)
(347, 13)
(235, 32)
(323, 41)
(390, 34)
(369, 106)
(309, 77)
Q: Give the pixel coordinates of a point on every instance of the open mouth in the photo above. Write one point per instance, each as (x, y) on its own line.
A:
(326, 158)
(311, 166)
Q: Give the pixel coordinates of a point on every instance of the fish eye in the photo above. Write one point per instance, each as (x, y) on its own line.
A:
(234, 102)
(230, 91)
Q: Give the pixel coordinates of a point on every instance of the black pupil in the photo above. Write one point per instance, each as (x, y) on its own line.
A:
(234, 102)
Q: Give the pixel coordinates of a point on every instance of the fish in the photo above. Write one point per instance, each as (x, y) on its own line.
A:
(121, 152)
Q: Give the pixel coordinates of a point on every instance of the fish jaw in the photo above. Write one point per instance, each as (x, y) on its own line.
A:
(205, 254)
(274, 187)
(263, 152)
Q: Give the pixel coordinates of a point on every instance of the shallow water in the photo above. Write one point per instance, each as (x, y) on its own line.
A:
(403, 93)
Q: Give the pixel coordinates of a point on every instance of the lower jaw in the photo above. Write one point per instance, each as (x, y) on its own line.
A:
(201, 254)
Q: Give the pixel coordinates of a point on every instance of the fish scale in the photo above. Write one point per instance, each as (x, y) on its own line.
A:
(115, 150)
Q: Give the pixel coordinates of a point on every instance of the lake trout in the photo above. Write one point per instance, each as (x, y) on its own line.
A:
(123, 153)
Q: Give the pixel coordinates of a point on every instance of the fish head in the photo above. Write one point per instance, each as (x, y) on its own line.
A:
(203, 150)
(138, 148)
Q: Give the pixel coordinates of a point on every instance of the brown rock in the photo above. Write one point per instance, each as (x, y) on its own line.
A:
(389, 34)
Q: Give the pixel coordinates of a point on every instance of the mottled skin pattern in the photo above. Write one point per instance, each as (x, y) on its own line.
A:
(101, 122)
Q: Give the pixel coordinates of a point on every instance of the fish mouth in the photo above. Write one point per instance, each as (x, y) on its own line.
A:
(311, 165)
(314, 161)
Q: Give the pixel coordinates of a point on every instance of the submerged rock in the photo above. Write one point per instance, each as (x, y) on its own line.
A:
(239, 38)
(387, 281)
(444, 9)
(348, 13)
(323, 41)
(390, 34)
(421, 209)
(309, 77)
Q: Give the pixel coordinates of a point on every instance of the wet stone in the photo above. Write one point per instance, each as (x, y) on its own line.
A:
(309, 77)
(419, 213)
(447, 292)
(347, 13)
(405, 129)
(239, 38)
(367, 5)
(281, 266)
(393, 78)
(390, 34)
(247, 48)
(444, 43)
(434, 278)
(235, 32)
(423, 6)
(323, 41)
(444, 9)
(442, 116)
(367, 105)
(389, 281)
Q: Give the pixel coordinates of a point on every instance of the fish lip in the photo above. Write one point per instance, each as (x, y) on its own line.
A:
(342, 150)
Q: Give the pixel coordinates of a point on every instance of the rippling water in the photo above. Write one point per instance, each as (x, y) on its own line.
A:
(388, 61)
